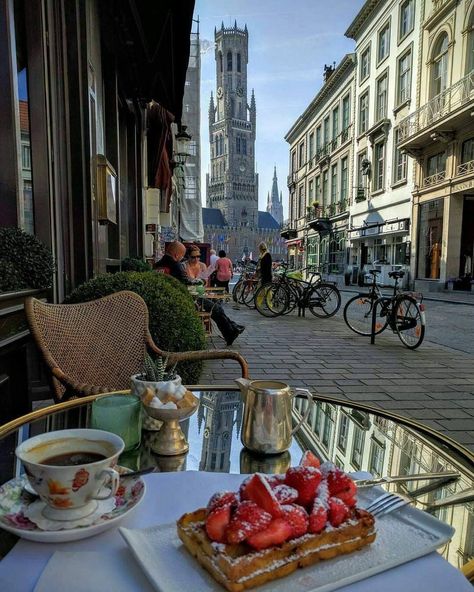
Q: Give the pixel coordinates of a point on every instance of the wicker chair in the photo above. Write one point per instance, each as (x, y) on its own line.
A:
(94, 347)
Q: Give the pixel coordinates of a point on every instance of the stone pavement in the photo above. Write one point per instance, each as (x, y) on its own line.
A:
(434, 384)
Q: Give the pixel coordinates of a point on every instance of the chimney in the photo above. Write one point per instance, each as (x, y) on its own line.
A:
(328, 70)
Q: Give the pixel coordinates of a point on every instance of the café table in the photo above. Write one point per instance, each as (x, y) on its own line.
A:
(356, 437)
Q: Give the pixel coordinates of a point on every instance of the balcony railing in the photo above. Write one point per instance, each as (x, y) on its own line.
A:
(440, 106)
(465, 168)
(291, 179)
(434, 179)
(332, 145)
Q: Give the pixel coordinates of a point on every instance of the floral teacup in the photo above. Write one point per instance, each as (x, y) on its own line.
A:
(69, 468)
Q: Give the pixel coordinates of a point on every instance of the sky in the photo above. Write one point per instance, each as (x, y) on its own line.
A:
(290, 41)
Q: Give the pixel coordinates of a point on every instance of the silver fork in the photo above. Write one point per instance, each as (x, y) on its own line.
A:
(388, 502)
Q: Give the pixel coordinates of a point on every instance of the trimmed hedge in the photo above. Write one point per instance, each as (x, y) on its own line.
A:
(133, 264)
(174, 324)
(25, 262)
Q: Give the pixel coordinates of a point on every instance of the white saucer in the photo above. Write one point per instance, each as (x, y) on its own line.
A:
(13, 504)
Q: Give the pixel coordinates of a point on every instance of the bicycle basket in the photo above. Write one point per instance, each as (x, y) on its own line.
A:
(295, 275)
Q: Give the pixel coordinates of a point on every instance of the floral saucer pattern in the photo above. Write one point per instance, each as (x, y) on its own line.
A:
(14, 502)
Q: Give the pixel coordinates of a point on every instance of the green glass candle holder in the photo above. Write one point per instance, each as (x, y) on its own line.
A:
(121, 415)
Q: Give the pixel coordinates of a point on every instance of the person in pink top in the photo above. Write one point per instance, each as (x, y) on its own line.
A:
(224, 270)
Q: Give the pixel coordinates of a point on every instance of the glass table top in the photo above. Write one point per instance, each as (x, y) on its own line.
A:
(355, 439)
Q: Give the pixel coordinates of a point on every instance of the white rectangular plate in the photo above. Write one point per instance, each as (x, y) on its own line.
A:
(402, 536)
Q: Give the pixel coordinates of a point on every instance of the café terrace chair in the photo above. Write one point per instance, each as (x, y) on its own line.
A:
(95, 347)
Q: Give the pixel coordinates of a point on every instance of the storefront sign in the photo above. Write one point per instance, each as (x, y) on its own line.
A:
(457, 187)
(372, 230)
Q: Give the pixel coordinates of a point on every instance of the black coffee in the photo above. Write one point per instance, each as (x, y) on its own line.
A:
(73, 458)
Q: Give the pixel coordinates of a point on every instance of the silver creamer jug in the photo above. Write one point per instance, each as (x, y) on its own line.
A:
(266, 425)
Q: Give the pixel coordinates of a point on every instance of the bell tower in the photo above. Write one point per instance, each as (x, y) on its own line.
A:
(232, 184)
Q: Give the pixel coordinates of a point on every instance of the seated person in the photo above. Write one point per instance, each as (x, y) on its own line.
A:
(170, 263)
(193, 266)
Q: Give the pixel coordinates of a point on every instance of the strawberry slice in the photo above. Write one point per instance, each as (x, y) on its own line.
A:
(243, 488)
(318, 517)
(259, 491)
(274, 480)
(305, 480)
(338, 511)
(222, 498)
(338, 481)
(310, 460)
(348, 494)
(277, 532)
(217, 522)
(247, 520)
(285, 494)
(297, 518)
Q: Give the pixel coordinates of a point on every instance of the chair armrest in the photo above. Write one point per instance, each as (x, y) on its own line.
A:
(215, 354)
(77, 389)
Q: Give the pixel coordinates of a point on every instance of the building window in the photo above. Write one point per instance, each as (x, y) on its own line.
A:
(381, 98)
(364, 64)
(383, 48)
(311, 145)
(301, 158)
(239, 63)
(407, 18)
(327, 428)
(430, 234)
(379, 165)
(325, 188)
(436, 165)
(229, 61)
(346, 112)
(467, 151)
(317, 185)
(377, 453)
(364, 113)
(243, 146)
(333, 185)
(400, 160)
(404, 77)
(360, 171)
(344, 179)
(301, 201)
(357, 447)
(343, 432)
(26, 157)
(470, 45)
(237, 145)
(439, 66)
(326, 130)
(335, 123)
(318, 139)
(310, 192)
(293, 161)
(221, 67)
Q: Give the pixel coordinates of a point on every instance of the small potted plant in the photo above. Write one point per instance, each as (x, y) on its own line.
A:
(156, 380)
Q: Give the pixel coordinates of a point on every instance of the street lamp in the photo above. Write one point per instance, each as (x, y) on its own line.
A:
(182, 145)
(182, 139)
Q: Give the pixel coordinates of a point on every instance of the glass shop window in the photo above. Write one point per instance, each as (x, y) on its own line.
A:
(430, 234)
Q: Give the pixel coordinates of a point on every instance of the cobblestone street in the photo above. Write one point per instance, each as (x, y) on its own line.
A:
(434, 384)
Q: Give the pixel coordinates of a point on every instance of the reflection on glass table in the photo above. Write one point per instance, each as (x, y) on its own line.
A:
(354, 437)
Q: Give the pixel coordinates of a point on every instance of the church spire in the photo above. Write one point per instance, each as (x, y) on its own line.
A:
(275, 206)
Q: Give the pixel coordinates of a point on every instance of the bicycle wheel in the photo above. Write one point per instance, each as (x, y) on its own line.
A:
(248, 294)
(277, 299)
(237, 291)
(294, 294)
(264, 301)
(358, 315)
(409, 322)
(324, 300)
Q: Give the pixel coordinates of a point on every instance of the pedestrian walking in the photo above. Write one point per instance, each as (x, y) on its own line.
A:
(224, 271)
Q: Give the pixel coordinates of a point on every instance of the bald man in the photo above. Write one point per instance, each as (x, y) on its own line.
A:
(170, 264)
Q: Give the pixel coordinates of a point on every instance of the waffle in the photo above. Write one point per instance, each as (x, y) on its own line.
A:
(238, 567)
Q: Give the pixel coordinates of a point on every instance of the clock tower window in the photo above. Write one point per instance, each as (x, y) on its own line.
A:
(229, 61)
(239, 65)
(221, 67)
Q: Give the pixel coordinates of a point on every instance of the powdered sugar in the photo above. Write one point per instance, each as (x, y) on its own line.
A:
(285, 493)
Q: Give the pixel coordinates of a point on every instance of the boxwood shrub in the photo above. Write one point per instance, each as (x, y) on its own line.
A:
(174, 324)
(133, 264)
(25, 262)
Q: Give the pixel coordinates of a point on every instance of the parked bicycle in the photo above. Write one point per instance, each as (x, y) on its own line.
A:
(244, 290)
(288, 291)
(402, 312)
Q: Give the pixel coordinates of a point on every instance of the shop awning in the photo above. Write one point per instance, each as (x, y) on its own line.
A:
(150, 42)
(380, 228)
(293, 243)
